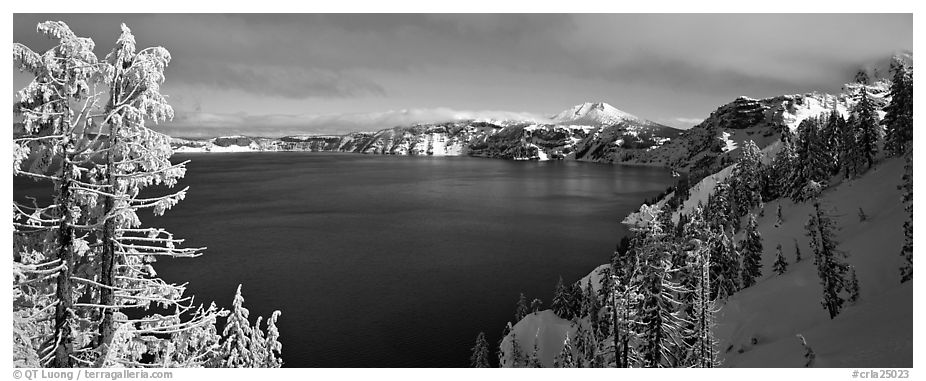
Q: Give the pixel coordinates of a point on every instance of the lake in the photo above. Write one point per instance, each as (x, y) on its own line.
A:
(394, 261)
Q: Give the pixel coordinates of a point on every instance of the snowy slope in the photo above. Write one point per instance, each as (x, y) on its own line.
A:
(594, 114)
(876, 331)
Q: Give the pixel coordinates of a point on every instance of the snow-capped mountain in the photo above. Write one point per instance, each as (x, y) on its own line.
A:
(594, 114)
(589, 131)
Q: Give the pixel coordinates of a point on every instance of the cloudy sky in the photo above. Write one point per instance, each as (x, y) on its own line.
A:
(276, 74)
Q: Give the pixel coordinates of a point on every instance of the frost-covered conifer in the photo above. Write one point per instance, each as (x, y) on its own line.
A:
(534, 360)
(752, 253)
(869, 131)
(522, 309)
(906, 270)
(703, 347)
(565, 358)
(657, 323)
(561, 304)
(781, 265)
(725, 266)
(898, 116)
(829, 260)
(480, 356)
(745, 183)
(536, 305)
(244, 346)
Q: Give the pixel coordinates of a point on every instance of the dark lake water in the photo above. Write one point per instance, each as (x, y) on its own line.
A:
(385, 261)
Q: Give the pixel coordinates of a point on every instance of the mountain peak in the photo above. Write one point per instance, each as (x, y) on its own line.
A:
(593, 113)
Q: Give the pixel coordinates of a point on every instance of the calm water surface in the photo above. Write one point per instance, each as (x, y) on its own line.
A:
(384, 261)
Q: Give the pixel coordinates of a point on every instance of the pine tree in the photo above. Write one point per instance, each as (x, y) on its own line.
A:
(576, 300)
(781, 265)
(536, 305)
(480, 356)
(829, 260)
(898, 116)
(849, 147)
(522, 310)
(906, 270)
(54, 110)
(534, 360)
(814, 163)
(518, 358)
(99, 158)
(244, 346)
(565, 358)
(703, 346)
(746, 180)
(869, 132)
(725, 267)
(853, 286)
(783, 167)
(657, 316)
(752, 253)
(561, 305)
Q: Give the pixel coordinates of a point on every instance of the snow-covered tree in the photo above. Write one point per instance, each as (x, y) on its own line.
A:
(84, 126)
(522, 309)
(725, 266)
(783, 166)
(534, 360)
(562, 305)
(752, 253)
(55, 109)
(703, 347)
(480, 356)
(781, 265)
(829, 260)
(517, 358)
(536, 305)
(849, 159)
(657, 321)
(811, 154)
(244, 346)
(746, 180)
(869, 130)
(906, 270)
(565, 358)
(898, 116)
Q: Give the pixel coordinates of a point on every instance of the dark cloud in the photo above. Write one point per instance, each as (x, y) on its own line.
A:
(662, 66)
(290, 82)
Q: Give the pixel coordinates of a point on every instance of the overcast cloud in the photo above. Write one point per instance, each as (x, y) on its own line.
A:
(269, 74)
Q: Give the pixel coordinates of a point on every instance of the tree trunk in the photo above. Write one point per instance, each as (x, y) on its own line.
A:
(108, 257)
(64, 344)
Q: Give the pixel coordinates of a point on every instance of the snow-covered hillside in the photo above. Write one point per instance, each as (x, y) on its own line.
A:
(757, 326)
(875, 331)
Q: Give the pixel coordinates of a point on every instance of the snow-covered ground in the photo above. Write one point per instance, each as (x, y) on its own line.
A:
(874, 332)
